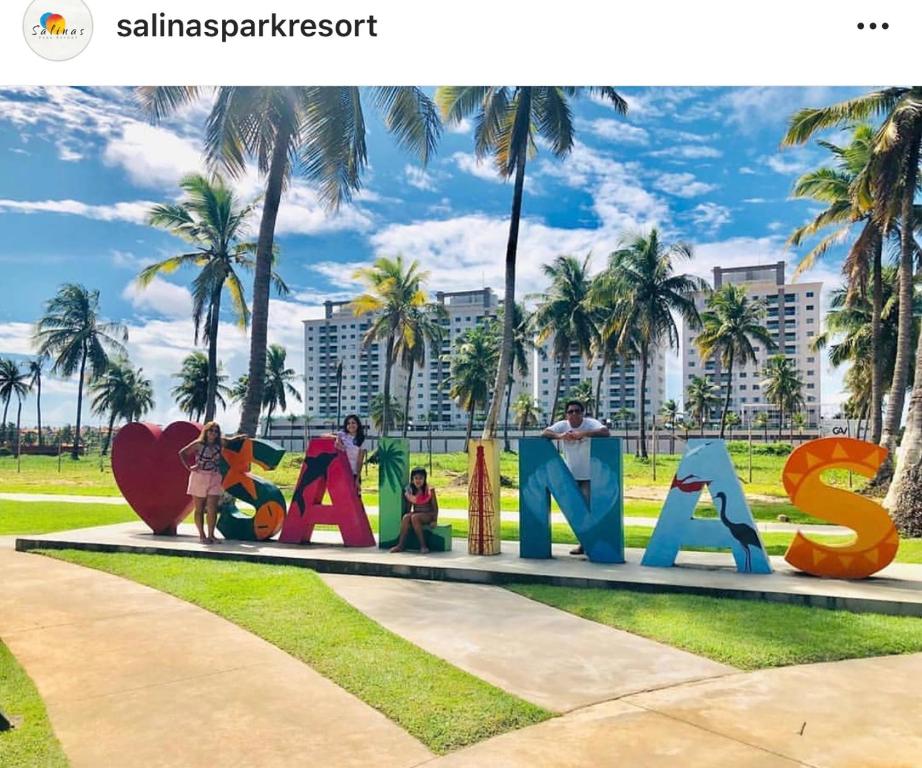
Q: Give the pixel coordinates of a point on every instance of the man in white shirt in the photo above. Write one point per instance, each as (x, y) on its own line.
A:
(572, 433)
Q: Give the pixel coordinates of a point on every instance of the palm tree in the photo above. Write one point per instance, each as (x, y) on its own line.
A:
(523, 342)
(72, 333)
(760, 420)
(473, 363)
(394, 291)
(278, 383)
(890, 182)
(320, 131)
(732, 420)
(13, 381)
(610, 346)
(425, 331)
(36, 367)
(583, 392)
(701, 397)
(733, 321)
(669, 410)
(849, 338)
(526, 410)
(623, 415)
(191, 394)
(782, 387)
(210, 219)
(121, 393)
(238, 392)
(839, 189)
(378, 413)
(644, 292)
(566, 315)
(799, 420)
(509, 120)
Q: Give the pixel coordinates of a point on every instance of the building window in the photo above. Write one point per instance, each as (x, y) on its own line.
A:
(809, 294)
(809, 306)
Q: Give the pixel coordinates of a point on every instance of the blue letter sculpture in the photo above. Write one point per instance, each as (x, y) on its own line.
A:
(599, 526)
(706, 463)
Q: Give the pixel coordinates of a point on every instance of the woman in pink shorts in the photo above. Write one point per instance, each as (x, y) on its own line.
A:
(205, 477)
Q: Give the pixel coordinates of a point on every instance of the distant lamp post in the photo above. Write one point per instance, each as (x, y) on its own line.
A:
(339, 389)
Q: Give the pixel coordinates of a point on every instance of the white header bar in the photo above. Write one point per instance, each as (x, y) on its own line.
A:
(782, 42)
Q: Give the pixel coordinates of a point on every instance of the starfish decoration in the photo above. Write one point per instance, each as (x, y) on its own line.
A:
(238, 467)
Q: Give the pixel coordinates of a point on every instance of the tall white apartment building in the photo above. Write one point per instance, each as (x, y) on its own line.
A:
(620, 385)
(793, 319)
(336, 339)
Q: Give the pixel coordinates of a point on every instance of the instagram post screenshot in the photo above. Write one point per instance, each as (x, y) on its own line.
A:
(360, 410)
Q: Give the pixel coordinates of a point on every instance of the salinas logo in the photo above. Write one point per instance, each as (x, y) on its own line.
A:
(57, 29)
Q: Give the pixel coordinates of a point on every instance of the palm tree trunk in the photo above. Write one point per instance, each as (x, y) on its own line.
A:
(598, 390)
(388, 364)
(644, 362)
(406, 406)
(18, 424)
(38, 407)
(214, 317)
(470, 427)
(6, 407)
(877, 363)
(105, 447)
(557, 388)
(780, 423)
(75, 449)
(723, 415)
(278, 167)
(507, 445)
(505, 354)
(268, 422)
(904, 497)
(897, 395)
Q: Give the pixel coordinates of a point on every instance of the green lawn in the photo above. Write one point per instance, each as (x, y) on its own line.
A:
(742, 633)
(31, 742)
(292, 608)
(18, 518)
(93, 476)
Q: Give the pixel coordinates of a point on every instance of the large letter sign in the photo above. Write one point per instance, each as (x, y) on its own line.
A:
(706, 464)
(876, 540)
(267, 500)
(325, 468)
(599, 525)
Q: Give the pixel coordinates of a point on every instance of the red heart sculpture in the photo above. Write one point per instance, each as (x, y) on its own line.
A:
(145, 461)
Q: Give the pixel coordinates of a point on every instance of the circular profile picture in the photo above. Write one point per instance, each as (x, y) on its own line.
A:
(57, 29)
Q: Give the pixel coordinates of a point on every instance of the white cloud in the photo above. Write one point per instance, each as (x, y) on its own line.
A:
(68, 155)
(153, 156)
(133, 212)
(747, 171)
(482, 169)
(755, 200)
(417, 177)
(710, 216)
(687, 152)
(790, 165)
(160, 296)
(462, 126)
(683, 185)
(617, 131)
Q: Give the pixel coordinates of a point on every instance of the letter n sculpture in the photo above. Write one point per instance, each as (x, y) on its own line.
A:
(598, 525)
(326, 469)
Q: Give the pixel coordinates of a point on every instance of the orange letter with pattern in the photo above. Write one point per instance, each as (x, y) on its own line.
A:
(876, 539)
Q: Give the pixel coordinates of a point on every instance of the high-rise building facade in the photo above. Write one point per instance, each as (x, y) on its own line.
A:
(793, 319)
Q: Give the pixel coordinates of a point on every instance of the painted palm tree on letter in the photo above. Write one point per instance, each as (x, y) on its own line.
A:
(731, 323)
(508, 120)
(318, 132)
(211, 220)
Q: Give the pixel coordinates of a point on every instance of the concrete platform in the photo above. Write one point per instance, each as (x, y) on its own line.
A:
(896, 590)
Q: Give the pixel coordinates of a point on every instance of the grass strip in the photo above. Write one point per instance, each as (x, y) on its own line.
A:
(30, 742)
(742, 633)
(292, 608)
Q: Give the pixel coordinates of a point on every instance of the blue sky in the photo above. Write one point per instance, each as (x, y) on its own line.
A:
(79, 168)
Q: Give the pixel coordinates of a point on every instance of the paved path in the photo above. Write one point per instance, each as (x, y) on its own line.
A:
(862, 713)
(552, 658)
(446, 514)
(132, 676)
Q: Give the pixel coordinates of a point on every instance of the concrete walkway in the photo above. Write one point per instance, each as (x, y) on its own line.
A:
(510, 516)
(131, 676)
(862, 713)
(551, 658)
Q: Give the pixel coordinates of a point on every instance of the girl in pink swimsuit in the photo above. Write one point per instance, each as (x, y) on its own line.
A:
(423, 510)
